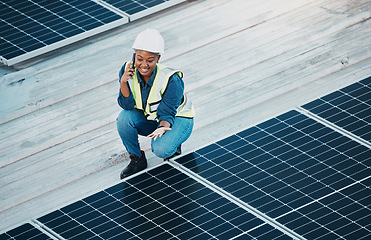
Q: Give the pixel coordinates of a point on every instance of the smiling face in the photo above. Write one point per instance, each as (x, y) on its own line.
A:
(146, 62)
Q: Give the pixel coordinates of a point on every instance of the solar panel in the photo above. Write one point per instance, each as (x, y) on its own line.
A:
(25, 232)
(163, 203)
(29, 28)
(306, 176)
(348, 108)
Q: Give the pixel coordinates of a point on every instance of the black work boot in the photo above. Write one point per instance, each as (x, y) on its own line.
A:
(178, 152)
(136, 164)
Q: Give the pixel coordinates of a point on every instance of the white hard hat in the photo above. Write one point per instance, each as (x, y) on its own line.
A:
(149, 40)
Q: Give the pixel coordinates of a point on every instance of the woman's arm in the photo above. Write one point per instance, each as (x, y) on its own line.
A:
(125, 98)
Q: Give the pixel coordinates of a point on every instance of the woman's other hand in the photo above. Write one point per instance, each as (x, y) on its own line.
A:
(158, 132)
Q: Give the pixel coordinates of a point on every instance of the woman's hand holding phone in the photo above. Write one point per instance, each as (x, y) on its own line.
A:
(129, 71)
(128, 74)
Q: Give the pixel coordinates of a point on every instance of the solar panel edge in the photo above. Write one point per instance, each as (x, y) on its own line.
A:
(334, 127)
(237, 201)
(112, 8)
(46, 230)
(154, 9)
(64, 42)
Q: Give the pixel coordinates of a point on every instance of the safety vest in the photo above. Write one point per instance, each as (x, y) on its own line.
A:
(158, 88)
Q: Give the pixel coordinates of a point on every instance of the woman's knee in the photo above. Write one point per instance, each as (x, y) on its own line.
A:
(162, 150)
(124, 120)
(121, 117)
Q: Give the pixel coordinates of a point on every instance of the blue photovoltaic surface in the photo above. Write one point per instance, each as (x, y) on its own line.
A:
(29, 28)
(24, 232)
(160, 204)
(297, 171)
(26, 26)
(348, 108)
(134, 6)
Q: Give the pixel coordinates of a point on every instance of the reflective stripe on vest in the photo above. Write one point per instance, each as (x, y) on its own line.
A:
(158, 88)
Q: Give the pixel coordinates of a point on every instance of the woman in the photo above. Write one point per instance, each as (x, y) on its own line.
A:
(153, 102)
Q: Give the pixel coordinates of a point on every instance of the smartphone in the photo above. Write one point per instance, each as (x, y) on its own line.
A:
(133, 60)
